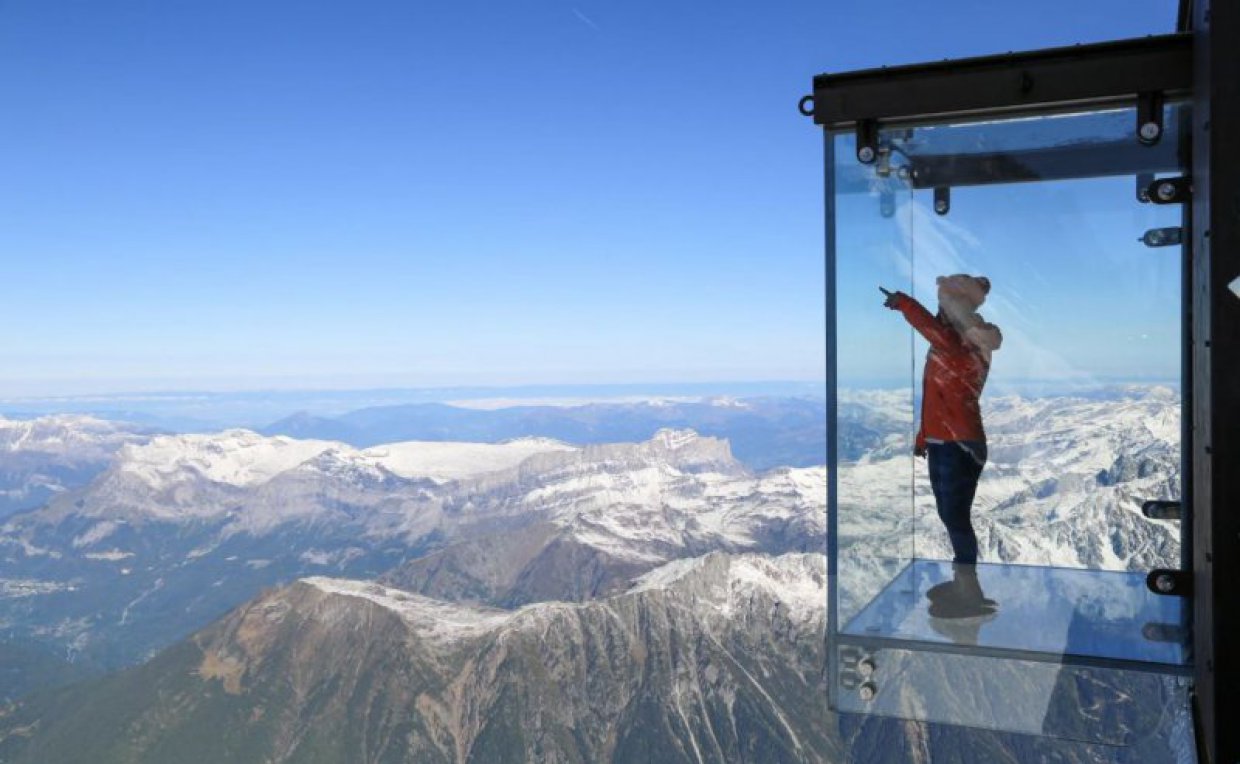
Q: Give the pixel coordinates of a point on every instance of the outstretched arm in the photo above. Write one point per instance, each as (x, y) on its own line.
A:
(938, 335)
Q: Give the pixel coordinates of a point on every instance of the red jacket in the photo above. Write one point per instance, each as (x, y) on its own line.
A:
(954, 377)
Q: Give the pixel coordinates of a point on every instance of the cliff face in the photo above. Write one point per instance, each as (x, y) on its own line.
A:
(714, 659)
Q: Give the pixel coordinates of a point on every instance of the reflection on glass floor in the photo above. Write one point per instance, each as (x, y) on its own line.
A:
(1044, 613)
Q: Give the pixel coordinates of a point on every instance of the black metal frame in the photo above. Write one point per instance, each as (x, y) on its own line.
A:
(1056, 163)
(1200, 63)
(1215, 231)
(1029, 82)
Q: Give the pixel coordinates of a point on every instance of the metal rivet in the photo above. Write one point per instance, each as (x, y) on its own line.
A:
(1150, 131)
(1165, 583)
(865, 154)
(867, 691)
(866, 667)
(1166, 191)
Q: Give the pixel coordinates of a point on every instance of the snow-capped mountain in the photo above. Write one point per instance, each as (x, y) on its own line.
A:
(46, 456)
(180, 529)
(245, 459)
(246, 480)
(713, 659)
(415, 679)
(764, 431)
(608, 516)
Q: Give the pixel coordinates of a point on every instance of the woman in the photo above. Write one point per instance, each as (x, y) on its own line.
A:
(951, 432)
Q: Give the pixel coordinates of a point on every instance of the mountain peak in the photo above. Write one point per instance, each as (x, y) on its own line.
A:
(688, 450)
(675, 439)
(798, 581)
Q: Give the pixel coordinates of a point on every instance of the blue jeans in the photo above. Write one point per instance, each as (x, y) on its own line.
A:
(954, 471)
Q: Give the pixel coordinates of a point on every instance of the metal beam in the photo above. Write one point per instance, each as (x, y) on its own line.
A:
(873, 643)
(1057, 163)
(972, 88)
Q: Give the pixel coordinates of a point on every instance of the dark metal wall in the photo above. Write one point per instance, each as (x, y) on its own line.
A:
(1216, 377)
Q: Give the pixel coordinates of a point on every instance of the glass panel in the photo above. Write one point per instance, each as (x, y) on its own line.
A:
(1038, 339)
(875, 403)
(1057, 611)
(1090, 704)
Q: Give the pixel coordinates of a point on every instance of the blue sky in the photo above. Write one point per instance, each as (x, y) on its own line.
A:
(225, 194)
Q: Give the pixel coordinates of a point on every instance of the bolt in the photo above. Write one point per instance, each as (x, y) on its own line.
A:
(1165, 583)
(865, 154)
(866, 667)
(1161, 237)
(1150, 131)
(1165, 191)
(867, 691)
(940, 207)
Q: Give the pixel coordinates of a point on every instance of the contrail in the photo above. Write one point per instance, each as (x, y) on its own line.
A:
(585, 20)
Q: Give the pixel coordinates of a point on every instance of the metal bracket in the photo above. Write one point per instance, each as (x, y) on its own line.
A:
(1172, 583)
(1170, 633)
(1171, 190)
(1163, 237)
(1158, 509)
(942, 200)
(867, 141)
(1149, 118)
(1144, 179)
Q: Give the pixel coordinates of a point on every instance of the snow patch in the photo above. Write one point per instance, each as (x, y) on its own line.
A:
(111, 555)
(444, 461)
(234, 457)
(98, 532)
(796, 581)
(433, 620)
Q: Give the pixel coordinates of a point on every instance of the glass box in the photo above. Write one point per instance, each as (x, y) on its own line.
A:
(1081, 325)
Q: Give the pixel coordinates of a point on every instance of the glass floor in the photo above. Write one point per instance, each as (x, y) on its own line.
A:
(1044, 613)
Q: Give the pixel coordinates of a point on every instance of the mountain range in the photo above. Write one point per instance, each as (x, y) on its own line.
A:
(657, 600)
(764, 432)
(181, 528)
(710, 659)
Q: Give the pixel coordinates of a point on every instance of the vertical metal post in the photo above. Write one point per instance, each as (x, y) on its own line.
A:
(1184, 129)
(1216, 377)
(832, 421)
